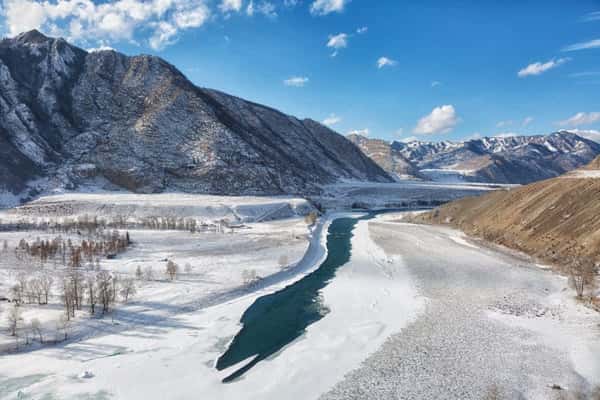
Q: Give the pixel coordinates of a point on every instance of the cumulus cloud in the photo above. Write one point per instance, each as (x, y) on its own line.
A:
(337, 42)
(265, 8)
(332, 120)
(230, 5)
(86, 21)
(581, 118)
(441, 120)
(591, 44)
(324, 7)
(385, 62)
(296, 81)
(362, 30)
(435, 84)
(409, 139)
(539, 67)
(361, 132)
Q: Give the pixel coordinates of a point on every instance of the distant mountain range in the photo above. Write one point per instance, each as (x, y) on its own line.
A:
(515, 159)
(75, 119)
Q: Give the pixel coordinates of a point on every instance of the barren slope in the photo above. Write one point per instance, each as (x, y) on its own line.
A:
(553, 219)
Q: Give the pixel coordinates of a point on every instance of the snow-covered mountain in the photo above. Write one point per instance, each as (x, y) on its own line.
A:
(516, 159)
(69, 118)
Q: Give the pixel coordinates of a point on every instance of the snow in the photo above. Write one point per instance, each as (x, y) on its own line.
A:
(584, 174)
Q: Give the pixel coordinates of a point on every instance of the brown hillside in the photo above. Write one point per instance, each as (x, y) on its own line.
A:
(594, 164)
(552, 220)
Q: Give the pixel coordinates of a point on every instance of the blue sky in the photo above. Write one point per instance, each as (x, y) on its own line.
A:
(434, 70)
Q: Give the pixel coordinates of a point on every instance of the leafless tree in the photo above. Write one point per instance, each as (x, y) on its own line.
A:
(172, 270)
(138, 273)
(128, 289)
(104, 284)
(5, 247)
(582, 272)
(14, 319)
(63, 325)
(148, 274)
(311, 218)
(36, 329)
(46, 282)
(90, 286)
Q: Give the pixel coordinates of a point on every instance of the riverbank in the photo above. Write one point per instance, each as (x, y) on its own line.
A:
(493, 326)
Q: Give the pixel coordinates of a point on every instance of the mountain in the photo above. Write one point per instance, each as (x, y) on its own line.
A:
(70, 118)
(553, 220)
(518, 159)
(386, 156)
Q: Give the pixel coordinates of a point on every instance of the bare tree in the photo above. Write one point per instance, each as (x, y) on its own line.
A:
(36, 329)
(14, 319)
(104, 284)
(172, 270)
(63, 325)
(582, 274)
(128, 289)
(46, 282)
(311, 218)
(90, 287)
(250, 277)
(138, 273)
(5, 246)
(148, 274)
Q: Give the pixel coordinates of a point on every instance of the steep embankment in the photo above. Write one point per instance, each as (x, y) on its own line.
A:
(553, 220)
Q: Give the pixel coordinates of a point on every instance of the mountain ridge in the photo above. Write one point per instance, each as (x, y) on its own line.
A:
(72, 118)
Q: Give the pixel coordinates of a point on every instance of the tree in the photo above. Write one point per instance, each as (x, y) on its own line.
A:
(5, 246)
(36, 329)
(128, 289)
(311, 218)
(250, 277)
(14, 319)
(138, 273)
(149, 274)
(172, 270)
(104, 285)
(46, 286)
(63, 324)
(582, 273)
(91, 293)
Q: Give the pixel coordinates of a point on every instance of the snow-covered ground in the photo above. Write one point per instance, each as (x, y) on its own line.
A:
(398, 194)
(495, 326)
(134, 207)
(593, 173)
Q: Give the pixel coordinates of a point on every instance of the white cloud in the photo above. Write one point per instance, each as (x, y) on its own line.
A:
(539, 68)
(296, 81)
(290, 3)
(230, 5)
(591, 44)
(362, 30)
(441, 120)
(332, 120)
(85, 21)
(435, 84)
(385, 62)
(337, 42)
(100, 48)
(324, 7)
(590, 134)
(502, 124)
(527, 121)
(409, 139)
(581, 118)
(361, 132)
(593, 16)
(265, 8)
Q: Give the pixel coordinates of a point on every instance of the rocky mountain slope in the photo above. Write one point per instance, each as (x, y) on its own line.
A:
(70, 118)
(386, 156)
(519, 159)
(554, 220)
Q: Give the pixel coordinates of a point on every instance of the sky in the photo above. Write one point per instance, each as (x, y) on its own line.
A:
(391, 69)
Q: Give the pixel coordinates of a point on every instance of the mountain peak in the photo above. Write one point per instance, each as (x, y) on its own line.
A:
(33, 37)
